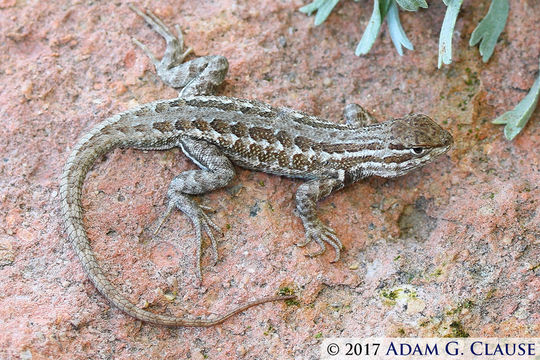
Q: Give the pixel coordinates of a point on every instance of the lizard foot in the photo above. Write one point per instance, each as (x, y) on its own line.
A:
(201, 223)
(322, 234)
(174, 53)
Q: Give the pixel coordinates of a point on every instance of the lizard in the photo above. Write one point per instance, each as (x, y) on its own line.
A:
(217, 133)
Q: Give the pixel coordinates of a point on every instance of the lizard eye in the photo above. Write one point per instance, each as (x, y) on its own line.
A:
(417, 150)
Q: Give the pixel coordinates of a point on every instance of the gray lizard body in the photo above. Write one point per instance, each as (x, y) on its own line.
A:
(217, 132)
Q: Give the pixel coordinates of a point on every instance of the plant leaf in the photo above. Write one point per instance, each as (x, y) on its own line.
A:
(412, 5)
(380, 8)
(323, 8)
(399, 38)
(384, 5)
(489, 29)
(310, 8)
(517, 118)
(447, 31)
(324, 11)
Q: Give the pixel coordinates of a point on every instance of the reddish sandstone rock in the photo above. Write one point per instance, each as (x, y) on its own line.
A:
(451, 249)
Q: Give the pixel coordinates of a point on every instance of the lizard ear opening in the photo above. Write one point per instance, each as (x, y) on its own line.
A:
(417, 150)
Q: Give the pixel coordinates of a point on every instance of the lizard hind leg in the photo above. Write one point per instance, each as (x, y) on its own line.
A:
(216, 172)
(200, 76)
(201, 221)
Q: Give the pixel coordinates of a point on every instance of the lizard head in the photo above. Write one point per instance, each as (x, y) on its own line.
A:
(413, 141)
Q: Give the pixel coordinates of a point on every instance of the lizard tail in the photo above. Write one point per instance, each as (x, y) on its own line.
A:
(103, 138)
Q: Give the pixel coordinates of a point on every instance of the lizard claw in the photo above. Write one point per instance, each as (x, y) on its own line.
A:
(209, 227)
(175, 53)
(202, 223)
(164, 217)
(206, 208)
(322, 234)
(147, 51)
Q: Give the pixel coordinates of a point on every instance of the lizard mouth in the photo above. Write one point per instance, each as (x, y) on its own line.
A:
(447, 140)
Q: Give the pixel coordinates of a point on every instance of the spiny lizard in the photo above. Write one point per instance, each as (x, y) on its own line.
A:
(217, 132)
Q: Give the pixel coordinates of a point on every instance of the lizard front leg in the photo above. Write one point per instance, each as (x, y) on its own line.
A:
(357, 117)
(216, 172)
(200, 76)
(307, 196)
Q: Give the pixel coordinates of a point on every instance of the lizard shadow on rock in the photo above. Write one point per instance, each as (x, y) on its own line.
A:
(414, 222)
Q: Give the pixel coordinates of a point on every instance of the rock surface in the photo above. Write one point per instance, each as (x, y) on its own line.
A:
(450, 250)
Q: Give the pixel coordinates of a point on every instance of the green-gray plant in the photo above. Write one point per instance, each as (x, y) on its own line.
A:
(381, 9)
(486, 33)
(516, 119)
(447, 30)
(489, 29)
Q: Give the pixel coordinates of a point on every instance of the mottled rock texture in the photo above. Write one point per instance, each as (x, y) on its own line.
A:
(451, 249)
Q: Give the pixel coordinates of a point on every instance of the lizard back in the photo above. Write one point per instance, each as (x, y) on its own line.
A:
(284, 141)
